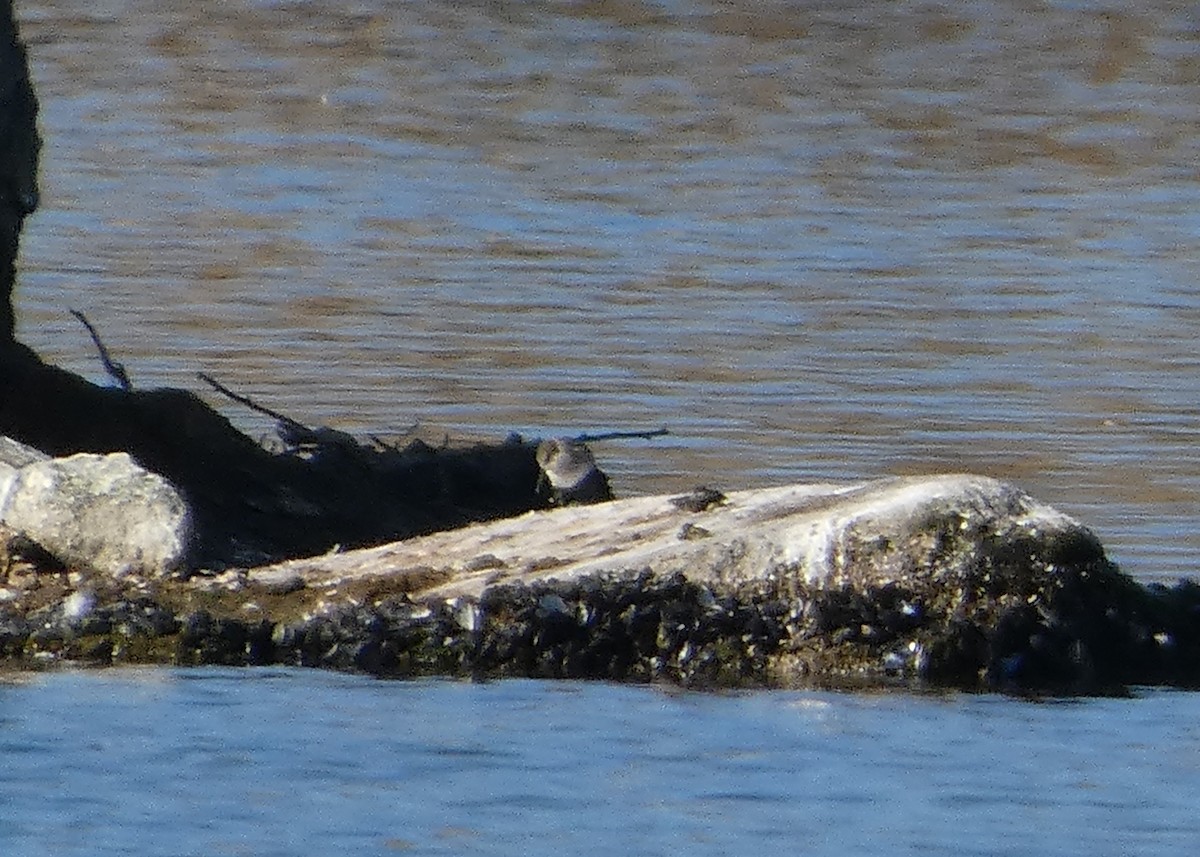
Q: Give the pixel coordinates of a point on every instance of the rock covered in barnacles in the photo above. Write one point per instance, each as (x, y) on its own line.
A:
(949, 581)
(102, 512)
(954, 580)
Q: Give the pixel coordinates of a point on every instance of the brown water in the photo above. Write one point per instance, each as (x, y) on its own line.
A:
(837, 240)
(293, 763)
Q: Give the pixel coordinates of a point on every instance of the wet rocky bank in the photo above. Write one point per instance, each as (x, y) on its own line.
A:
(987, 608)
(469, 565)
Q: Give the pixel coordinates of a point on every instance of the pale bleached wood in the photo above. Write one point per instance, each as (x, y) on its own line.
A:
(821, 534)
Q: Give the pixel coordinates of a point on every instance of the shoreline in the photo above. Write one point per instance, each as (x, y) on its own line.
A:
(1023, 600)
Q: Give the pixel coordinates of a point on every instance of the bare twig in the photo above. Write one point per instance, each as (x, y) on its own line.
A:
(296, 427)
(620, 435)
(393, 445)
(382, 444)
(115, 370)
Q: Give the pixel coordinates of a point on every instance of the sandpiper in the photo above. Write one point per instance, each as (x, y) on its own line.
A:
(571, 473)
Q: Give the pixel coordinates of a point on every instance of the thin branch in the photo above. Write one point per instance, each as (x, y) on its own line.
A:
(621, 435)
(393, 445)
(115, 370)
(297, 427)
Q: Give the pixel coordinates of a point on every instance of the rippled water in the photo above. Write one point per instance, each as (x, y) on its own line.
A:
(835, 240)
(288, 762)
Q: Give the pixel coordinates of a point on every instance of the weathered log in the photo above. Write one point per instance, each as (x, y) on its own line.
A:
(957, 580)
(822, 535)
(952, 581)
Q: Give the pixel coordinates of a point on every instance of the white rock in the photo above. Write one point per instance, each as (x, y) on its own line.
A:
(78, 604)
(8, 475)
(16, 454)
(99, 511)
(13, 456)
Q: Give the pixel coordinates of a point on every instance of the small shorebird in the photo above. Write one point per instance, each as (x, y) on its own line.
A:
(571, 472)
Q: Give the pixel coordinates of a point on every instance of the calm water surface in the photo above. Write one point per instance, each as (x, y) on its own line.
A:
(835, 240)
(287, 762)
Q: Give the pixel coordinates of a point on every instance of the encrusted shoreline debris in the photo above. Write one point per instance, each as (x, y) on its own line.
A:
(949, 582)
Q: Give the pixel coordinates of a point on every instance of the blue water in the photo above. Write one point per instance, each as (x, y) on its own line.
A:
(153, 762)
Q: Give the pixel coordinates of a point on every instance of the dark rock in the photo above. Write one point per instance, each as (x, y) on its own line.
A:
(19, 149)
(144, 618)
(14, 632)
(698, 500)
(205, 639)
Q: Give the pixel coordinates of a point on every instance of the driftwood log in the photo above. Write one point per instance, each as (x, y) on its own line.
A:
(949, 581)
